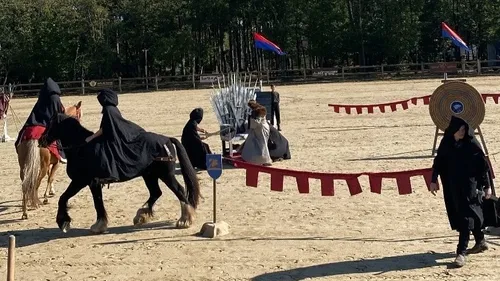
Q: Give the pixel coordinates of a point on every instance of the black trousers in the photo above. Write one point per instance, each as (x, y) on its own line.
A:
(464, 238)
(276, 109)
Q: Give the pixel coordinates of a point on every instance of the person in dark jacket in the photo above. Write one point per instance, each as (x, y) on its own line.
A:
(463, 169)
(276, 106)
(192, 142)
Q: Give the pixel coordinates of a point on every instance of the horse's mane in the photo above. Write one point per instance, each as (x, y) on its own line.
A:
(64, 119)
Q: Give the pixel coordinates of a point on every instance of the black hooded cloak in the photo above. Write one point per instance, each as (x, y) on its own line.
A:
(124, 149)
(464, 173)
(278, 145)
(48, 104)
(195, 147)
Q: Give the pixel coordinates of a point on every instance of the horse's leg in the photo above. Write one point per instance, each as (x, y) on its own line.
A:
(63, 219)
(44, 170)
(50, 181)
(187, 211)
(144, 215)
(101, 224)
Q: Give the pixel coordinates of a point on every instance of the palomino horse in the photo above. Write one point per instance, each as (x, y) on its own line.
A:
(35, 162)
(82, 173)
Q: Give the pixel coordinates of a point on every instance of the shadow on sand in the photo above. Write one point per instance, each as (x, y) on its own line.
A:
(225, 166)
(29, 237)
(378, 266)
(397, 156)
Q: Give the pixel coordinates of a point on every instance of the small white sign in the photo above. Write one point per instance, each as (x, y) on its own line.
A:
(209, 78)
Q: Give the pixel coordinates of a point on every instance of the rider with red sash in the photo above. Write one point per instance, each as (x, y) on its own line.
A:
(48, 104)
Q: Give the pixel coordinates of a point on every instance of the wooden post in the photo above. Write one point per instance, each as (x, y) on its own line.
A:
(120, 84)
(267, 76)
(342, 73)
(478, 66)
(11, 258)
(215, 201)
(480, 133)
(156, 82)
(435, 141)
(83, 86)
(463, 66)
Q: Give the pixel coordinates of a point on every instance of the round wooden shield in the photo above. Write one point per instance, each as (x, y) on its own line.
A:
(459, 99)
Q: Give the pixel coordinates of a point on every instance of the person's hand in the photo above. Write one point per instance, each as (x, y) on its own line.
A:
(203, 137)
(433, 188)
(488, 193)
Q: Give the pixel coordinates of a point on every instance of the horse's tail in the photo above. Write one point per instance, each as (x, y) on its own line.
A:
(31, 170)
(188, 173)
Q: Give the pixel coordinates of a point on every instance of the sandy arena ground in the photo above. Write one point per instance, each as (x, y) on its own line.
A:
(274, 236)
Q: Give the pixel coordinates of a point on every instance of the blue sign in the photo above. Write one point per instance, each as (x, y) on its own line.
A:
(457, 107)
(214, 165)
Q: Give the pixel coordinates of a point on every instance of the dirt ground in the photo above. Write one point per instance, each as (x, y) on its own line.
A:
(273, 235)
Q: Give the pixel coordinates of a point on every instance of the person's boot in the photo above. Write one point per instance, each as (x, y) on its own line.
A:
(478, 248)
(459, 260)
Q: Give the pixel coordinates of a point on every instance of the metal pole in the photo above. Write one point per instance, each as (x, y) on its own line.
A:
(215, 201)
(11, 258)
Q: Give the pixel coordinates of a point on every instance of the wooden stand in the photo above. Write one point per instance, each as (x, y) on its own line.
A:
(479, 132)
(437, 133)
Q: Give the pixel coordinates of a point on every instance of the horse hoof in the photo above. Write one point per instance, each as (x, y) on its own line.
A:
(142, 217)
(24, 217)
(45, 201)
(66, 226)
(52, 193)
(99, 227)
(183, 224)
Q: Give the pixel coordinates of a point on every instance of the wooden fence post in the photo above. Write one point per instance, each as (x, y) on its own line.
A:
(83, 86)
(478, 66)
(342, 73)
(120, 84)
(11, 258)
(156, 82)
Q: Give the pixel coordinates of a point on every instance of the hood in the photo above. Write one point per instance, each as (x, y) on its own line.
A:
(454, 126)
(196, 115)
(107, 97)
(49, 88)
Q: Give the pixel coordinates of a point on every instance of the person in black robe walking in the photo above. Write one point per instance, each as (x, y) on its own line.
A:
(464, 170)
(192, 142)
(122, 149)
(48, 104)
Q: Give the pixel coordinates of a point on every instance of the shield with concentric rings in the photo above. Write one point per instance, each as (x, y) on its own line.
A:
(459, 99)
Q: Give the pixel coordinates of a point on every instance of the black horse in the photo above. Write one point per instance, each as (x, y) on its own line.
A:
(72, 136)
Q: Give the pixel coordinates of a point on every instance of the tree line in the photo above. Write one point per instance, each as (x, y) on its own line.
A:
(97, 39)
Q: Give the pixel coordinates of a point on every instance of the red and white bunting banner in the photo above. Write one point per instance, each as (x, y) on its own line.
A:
(393, 106)
(327, 179)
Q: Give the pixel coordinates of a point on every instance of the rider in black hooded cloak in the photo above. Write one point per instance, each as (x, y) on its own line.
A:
(191, 140)
(123, 149)
(48, 104)
(464, 171)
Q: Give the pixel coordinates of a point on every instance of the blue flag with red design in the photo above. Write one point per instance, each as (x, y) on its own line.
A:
(263, 43)
(447, 32)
